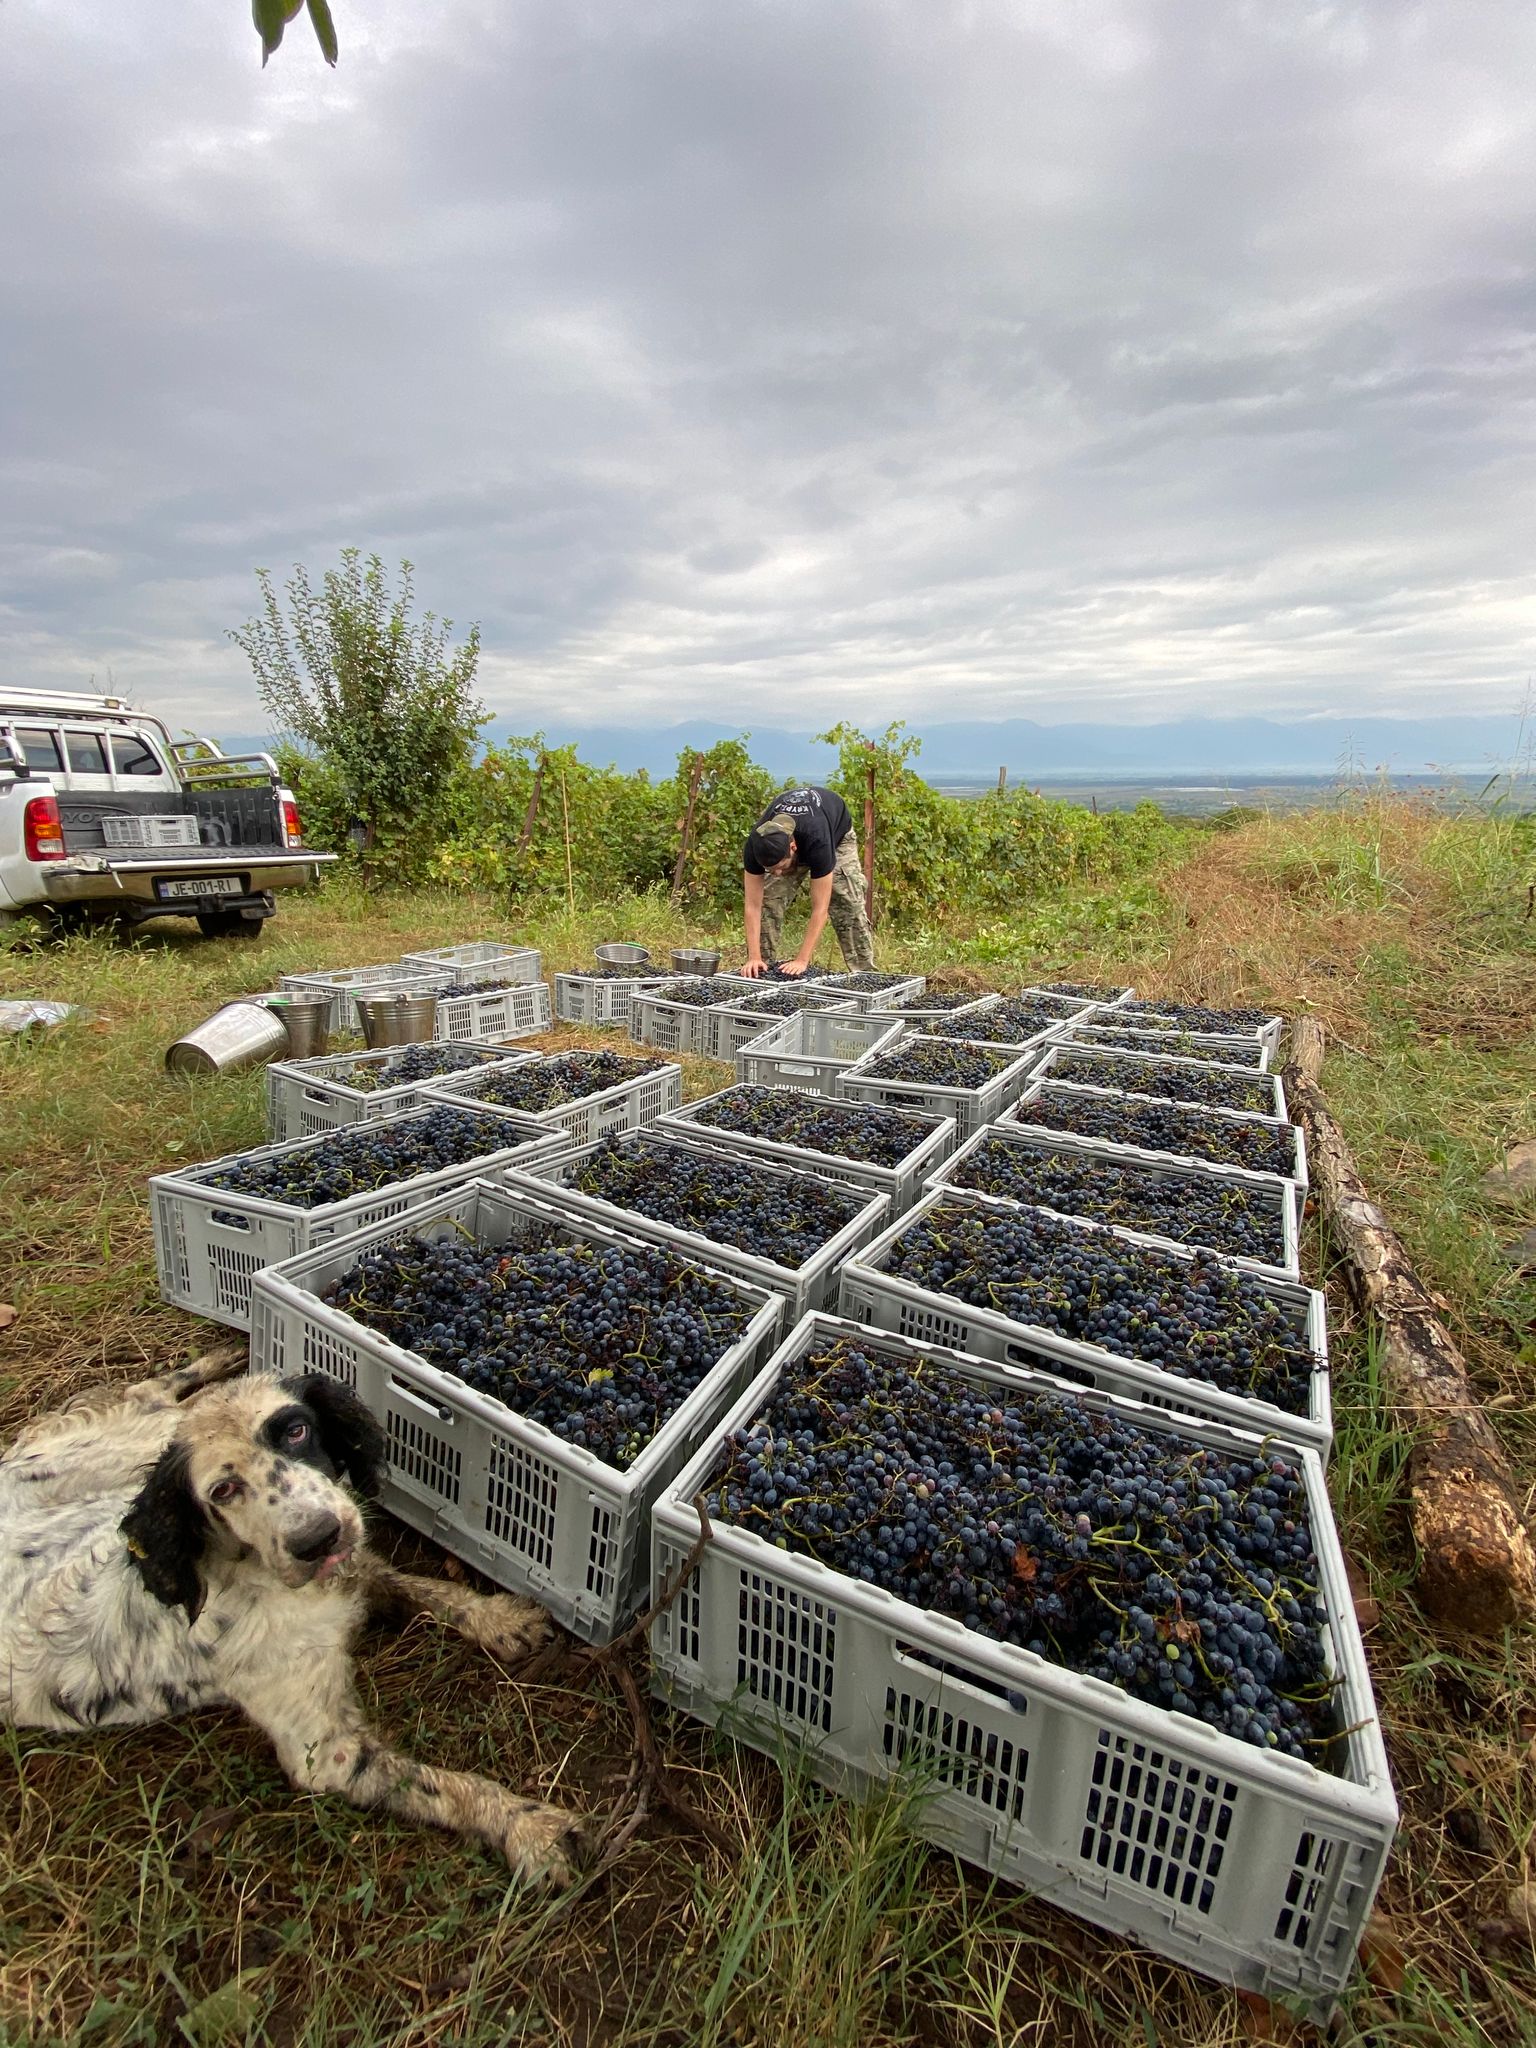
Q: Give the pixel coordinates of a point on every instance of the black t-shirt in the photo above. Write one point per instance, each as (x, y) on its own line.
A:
(822, 824)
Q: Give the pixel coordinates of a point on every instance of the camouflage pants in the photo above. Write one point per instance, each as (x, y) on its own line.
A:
(845, 913)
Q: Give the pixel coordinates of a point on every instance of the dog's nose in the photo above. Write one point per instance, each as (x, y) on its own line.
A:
(317, 1540)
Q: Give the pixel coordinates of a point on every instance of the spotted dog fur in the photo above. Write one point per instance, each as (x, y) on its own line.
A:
(188, 1543)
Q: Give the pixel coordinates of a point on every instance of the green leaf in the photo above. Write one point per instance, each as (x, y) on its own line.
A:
(271, 18)
(325, 29)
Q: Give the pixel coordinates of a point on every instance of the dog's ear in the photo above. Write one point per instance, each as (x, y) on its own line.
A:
(166, 1531)
(349, 1436)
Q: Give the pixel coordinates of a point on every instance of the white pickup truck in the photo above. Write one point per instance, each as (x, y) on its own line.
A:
(104, 816)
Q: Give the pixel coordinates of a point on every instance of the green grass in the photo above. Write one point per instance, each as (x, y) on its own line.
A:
(166, 1885)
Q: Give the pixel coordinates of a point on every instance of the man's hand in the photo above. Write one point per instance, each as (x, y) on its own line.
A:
(794, 968)
(754, 968)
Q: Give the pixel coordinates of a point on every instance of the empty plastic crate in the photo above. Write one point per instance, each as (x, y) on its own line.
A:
(150, 829)
(871, 1293)
(476, 1015)
(812, 1049)
(626, 1106)
(480, 960)
(306, 1096)
(1254, 1868)
(506, 1494)
(210, 1241)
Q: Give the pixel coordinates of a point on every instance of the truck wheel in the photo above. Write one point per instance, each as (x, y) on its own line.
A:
(228, 924)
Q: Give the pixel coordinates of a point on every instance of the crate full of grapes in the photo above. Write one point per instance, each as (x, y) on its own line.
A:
(1154, 1014)
(1100, 1031)
(1098, 994)
(583, 1095)
(1028, 1022)
(673, 1015)
(538, 1380)
(1114, 1649)
(600, 995)
(1248, 1218)
(1199, 1084)
(306, 1096)
(1163, 1324)
(933, 1006)
(780, 1228)
(869, 990)
(941, 1077)
(741, 1017)
(217, 1224)
(812, 1050)
(890, 1151)
(1151, 1127)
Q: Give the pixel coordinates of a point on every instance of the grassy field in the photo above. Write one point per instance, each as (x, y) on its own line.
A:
(167, 1885)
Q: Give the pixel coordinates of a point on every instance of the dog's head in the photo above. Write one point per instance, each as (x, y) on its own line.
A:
(253, 1473)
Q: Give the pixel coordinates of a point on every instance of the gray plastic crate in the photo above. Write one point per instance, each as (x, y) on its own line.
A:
(504, 1493)
(149, 829)
(1037, 1088)
(737, 1021)
(480, 960)
(388, 978)
(626, 1106)
(812, 1285)
(1121, 1071)
(920, 1013)
(1276, 1195)
(1256, 1869)
(668, 1026)
(811, 1050)
(970, 1107)
(1145, 1016)
(475, 1016)
(875, 998)
(1102, 1031)
(932, 1140)
(308, 1096)
(210, 1241)
(1083, 992)
(871, 1294)
(599, 1000)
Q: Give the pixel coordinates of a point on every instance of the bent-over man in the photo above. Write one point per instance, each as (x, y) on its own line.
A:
(804, 833)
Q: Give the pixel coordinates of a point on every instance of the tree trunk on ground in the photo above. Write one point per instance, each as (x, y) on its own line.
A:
(1477, 1567)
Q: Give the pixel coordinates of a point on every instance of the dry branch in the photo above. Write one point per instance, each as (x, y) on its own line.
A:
(1477, 1568)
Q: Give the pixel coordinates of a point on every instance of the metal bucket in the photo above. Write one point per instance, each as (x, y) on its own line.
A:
(415, 1020)
(694, 960)
(380, 1019)
(623, 954)
(239, 1035)
(307, 1019)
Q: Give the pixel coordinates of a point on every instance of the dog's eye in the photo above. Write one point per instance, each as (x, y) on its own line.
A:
(296, 1433)
(223, 1491)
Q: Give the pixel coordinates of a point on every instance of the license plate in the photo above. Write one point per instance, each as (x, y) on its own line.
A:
(200, 885)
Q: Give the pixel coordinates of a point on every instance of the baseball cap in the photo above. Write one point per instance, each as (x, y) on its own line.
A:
(769, 842)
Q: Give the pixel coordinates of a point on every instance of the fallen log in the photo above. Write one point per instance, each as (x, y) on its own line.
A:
(1477, 1565)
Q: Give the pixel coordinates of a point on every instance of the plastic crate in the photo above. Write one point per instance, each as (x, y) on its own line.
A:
(670, 1027)
(1019, 1114)
(480, 960)
(1276, 1195)
(932, 1141)
(812, 1049)
(342, 983)
(813, 1285)
(504, 1493)
(737, 1022)
(870, 1294)
(1084, 992)
(875, 998)
(1121, 1070)
(626, 1106)
(1153, 1019)
(308, 1096)
(151, 829)
(970, 1107)
(499, 1013)
(583, 999)
(1103, 1031)
(210, 1241)
(919, 1014)
(1257, 1869)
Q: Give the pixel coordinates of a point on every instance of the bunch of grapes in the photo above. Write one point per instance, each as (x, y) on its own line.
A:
(935, 999)
(1160, 1016)
(937, 1065)
(601, 1344)
(776, 1216)
(1165, 1127)
(847, 1130)
(563, 1077)
(1191, 1083)
(1184, 1576)
(774, 971)
(1197, 1318)
(1233, 1052)
(1226, 1216)
(413, 1063)
(365, 1157)
(784, 1002)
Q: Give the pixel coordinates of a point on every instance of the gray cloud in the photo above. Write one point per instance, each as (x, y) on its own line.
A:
(785, 360)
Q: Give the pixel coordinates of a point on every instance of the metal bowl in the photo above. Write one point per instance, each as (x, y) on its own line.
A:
(694, 960)
(623, 954)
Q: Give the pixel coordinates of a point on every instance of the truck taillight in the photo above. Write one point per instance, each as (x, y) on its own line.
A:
(293, 825)
(42, 833)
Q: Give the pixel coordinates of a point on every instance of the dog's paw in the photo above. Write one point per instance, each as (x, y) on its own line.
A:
(548, 1845)
(226, 1362)
(508, 1628)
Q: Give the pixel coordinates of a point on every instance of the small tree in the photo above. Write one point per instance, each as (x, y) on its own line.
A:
(386, 705)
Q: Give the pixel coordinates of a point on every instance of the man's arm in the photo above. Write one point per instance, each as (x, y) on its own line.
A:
(815, 924)
(752, 918)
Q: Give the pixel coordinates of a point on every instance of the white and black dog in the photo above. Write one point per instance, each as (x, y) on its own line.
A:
(188, 1542)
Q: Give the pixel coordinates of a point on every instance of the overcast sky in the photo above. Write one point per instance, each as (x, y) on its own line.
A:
(786, 361)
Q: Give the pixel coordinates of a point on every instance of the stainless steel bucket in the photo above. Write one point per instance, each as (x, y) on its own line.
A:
(694, 960)
(622, 953)
(239, 1035)
(380, 1018)
(308, 1022)
(415, 1020)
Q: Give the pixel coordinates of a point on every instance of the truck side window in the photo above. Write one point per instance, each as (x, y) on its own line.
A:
(87, 755)
(40, 747)
(133, 756)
